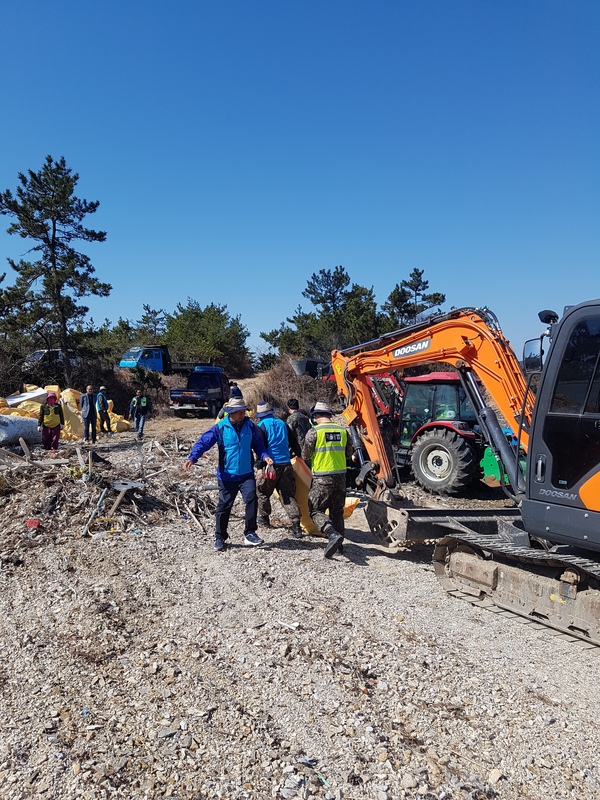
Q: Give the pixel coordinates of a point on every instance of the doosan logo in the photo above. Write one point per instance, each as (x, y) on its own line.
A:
(415, 347)
(556, 493)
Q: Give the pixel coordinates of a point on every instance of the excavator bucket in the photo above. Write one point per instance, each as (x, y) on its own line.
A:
(394, 526)
(387, 524)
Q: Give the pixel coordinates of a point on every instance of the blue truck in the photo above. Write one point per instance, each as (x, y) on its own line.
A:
(207, 391)
(155, 357)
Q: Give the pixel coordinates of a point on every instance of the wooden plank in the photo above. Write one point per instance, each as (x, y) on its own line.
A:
(196, 520)
(6, 454)
(14, 456)
(160, 447)
(24, 448)
(117, 502)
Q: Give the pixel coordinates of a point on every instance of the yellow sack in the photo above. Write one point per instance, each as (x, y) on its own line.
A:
(118, 422)
(72, 397)
(73, 423)
(29, 408)
(55, 389)
(303, 479)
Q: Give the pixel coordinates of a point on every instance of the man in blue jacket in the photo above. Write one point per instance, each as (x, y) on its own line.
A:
(236, 436)
(279, 440)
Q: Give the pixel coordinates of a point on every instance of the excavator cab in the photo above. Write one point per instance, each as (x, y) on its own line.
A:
(562, 502)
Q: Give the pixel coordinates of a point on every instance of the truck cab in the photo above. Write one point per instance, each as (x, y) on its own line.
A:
(207, 391)
(152, 358)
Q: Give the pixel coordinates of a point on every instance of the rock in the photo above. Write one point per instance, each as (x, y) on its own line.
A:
(409, 781)
(494, 776)
(165, 733)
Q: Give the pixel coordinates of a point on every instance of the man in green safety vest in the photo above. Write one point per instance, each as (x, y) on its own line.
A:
(328, 447)
(138, 408)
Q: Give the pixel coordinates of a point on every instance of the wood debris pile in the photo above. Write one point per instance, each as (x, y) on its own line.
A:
(118, 488)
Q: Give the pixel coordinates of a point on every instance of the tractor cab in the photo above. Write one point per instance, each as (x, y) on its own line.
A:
(436, 398)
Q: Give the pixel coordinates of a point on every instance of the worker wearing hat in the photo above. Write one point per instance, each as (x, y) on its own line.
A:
(328, 446)
(234, 391)
(279, 440)
(51, 421)
(102, 408)
(236, 437)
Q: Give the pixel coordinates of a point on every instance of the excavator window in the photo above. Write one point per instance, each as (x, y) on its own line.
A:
(577, 387)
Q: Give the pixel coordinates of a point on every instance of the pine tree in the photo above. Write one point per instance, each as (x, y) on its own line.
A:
(47, 212)
(408, 301)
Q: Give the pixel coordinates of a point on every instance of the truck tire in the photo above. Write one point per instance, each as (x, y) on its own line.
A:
(213, 410)
(443, 461)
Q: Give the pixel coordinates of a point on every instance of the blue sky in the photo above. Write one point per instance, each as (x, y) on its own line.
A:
(238, 147)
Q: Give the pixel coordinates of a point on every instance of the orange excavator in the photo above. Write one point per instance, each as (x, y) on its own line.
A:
(443, 445)
(541, 558)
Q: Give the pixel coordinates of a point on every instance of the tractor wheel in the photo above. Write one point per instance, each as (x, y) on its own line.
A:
(443, 461)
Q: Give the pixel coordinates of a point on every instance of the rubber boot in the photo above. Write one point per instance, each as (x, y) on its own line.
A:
(296, 530)
(334, 541)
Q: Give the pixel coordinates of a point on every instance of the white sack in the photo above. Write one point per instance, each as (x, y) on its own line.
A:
(13, 427)
(38, 395)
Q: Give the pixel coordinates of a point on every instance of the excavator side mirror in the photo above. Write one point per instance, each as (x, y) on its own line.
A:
(532, 356)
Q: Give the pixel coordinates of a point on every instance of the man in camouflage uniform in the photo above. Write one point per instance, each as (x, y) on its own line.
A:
(279, 440)
(328, 446)
(298, 420)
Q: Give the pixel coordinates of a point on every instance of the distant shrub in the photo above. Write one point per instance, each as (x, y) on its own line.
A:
(278, 384)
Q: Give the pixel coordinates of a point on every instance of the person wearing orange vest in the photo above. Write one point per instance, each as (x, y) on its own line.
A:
(327, 446)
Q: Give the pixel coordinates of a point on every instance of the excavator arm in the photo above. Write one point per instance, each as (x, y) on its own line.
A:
(469, 339)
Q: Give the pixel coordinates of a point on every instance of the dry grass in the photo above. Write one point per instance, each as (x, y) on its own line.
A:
(281, 382)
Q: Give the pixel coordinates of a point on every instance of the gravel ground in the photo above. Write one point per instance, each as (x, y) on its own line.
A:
(146, 665)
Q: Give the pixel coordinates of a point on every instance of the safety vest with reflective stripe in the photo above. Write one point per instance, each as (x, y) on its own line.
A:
(329, 456)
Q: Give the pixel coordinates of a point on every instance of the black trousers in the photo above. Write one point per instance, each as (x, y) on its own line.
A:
(228, 491)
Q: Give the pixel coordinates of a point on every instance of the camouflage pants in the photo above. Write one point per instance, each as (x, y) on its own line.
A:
(327, 492)
(285, 484)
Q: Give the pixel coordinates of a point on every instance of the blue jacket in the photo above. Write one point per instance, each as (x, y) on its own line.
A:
(235, 457)
(101, 402)
(88, 405)
(277, 439)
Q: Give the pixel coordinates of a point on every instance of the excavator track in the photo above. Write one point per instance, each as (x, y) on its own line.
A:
(558, 590)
